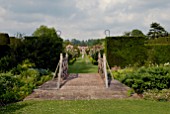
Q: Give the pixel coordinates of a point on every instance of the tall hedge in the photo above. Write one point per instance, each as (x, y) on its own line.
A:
(124, 51)
(43, 51)
(4, 39)
(4, 47)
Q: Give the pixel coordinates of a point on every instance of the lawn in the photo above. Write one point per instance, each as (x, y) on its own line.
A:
(83, 65)
(87, 107)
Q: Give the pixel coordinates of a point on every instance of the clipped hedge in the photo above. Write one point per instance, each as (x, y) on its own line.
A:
(135, 51)
(159, 41)
(4, 39)
(158, 54)
(123, 51)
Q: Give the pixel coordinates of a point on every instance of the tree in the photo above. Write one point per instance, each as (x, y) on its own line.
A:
(126, 33)
(44, 31)
(134, 33)
(156, 31)
(137, 33)
(44, 48)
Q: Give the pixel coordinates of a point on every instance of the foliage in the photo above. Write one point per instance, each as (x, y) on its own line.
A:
(93, 61)
(71, 61)
(137, 33)
(158, 41)
(43, 49)
(89, 42)
(4, 50)
(44, 31)
(113, 106)
(6, 63)
(4, 39)
(20, 81)
(125, 51)
(157, 95)
(132, 51)
(158, 54)
(127, 34)
(146, 78)
(9, 85)
(134, 33)
(47, 48)
(156, 31)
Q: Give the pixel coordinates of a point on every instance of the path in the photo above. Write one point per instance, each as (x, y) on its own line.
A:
(83, 65)
(81, 86)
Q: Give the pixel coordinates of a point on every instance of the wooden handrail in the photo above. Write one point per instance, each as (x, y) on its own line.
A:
(63, 70)
(102, 68)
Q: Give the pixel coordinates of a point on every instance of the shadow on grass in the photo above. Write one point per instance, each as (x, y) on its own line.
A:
(11, 108)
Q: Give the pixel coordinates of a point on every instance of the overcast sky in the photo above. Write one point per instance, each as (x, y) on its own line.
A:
(83, 19)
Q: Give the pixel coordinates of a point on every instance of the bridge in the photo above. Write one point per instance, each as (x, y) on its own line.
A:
(74, 86)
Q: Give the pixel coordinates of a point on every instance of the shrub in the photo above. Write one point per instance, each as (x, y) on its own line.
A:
(72, 61)
(6, 63)
(9, 86)
(93, 61)
(20, 82)
(147, 78)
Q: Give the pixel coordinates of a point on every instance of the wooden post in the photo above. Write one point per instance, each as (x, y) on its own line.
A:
(105, 70)
(99, 62)
(60, 70)
(67, 63)
(55, 73)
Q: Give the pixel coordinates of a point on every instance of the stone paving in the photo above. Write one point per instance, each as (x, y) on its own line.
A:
(79, 87)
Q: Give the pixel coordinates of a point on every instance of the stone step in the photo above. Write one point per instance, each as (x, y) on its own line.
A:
(81, 86)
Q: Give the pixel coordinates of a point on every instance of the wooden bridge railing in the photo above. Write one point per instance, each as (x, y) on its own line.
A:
(61, 69)
(102, 69)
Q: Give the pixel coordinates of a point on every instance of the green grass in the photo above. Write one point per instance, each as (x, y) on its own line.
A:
(83, 65)
(88, 107)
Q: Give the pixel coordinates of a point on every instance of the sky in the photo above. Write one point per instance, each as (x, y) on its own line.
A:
(83, 19)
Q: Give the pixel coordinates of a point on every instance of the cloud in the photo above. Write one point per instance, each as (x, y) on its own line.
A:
(83, 19)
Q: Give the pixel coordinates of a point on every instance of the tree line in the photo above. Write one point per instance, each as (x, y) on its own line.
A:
(155, 31)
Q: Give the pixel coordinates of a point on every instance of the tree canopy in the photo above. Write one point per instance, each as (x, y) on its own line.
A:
(156, 31)
(137, 33)
(44, 31)
(134, 33)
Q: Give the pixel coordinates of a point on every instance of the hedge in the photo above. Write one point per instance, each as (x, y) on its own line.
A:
(158, 54)
(123, 51)
(135, 51)
(4, 39)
